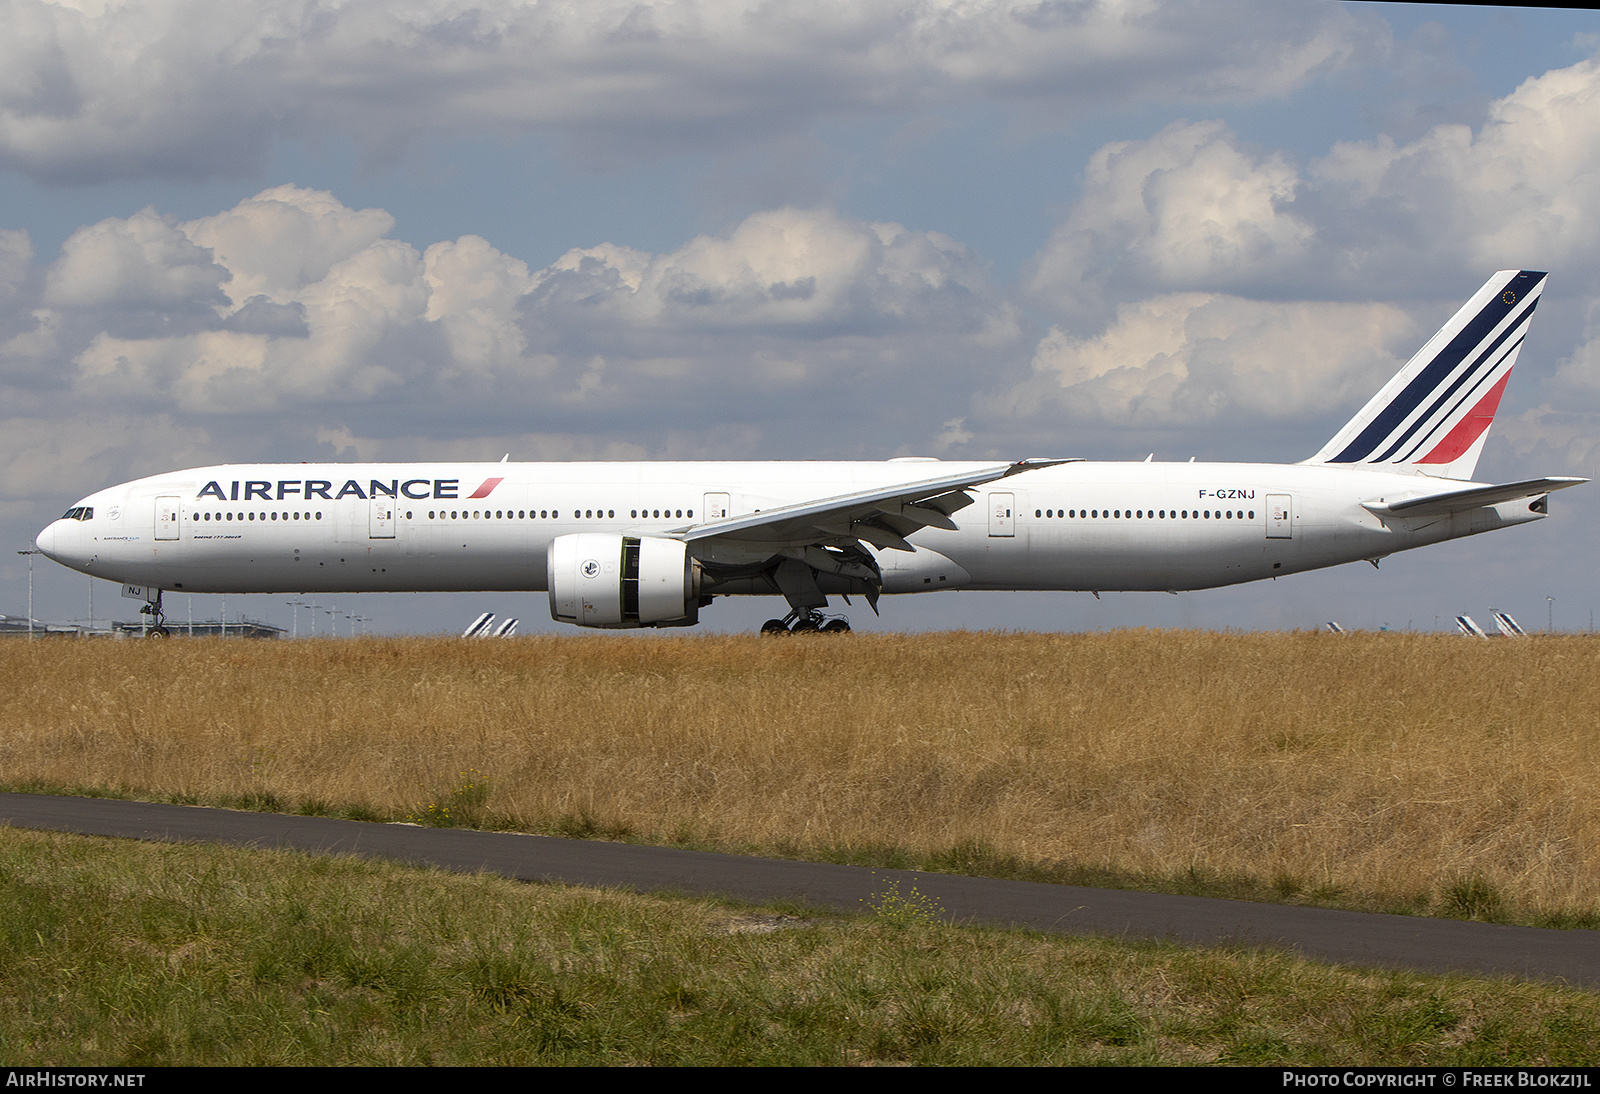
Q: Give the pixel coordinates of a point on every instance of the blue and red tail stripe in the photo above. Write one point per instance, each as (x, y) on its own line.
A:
(1443, 401)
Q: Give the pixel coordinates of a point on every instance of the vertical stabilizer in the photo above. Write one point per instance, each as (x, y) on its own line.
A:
(1434, 415)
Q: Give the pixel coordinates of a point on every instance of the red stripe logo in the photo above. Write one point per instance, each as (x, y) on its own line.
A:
(485, 490)
(1470, 428)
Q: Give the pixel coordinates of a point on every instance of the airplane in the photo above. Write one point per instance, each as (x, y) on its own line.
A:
(622, 545)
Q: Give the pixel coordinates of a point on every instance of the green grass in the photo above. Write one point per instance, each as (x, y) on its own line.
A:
(115, 952)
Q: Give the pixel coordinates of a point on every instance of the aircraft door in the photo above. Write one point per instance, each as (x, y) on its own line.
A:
(167, 510)
(716, 507)
(1280, 516)
(1002, 522)
(380, 518)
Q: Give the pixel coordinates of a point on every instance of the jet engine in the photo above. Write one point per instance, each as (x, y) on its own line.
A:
(597, 579)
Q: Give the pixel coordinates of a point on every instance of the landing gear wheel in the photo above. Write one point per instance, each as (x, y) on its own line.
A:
(804, 625)
(774, 626)
(152, 608)
(836, 626)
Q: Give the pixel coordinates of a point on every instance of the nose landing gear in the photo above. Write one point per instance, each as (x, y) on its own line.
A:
(152, 608)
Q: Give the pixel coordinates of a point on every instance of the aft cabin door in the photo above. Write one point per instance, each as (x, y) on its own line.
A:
(380, 519)
(1280, 516)
(1002, 522)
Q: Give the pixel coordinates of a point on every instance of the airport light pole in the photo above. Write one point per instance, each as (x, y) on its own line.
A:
(1550, 615)
(30, 555)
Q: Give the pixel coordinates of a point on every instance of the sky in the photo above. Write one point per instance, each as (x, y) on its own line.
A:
(702, 229)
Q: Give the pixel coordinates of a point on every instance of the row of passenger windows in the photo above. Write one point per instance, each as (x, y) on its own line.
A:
(551, 514)
(1146, 514)
(254, 516)
(84, 513)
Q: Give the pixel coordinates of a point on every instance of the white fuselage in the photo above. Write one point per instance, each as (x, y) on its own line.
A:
(1075, 526)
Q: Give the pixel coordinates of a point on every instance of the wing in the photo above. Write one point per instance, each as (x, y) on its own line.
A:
(1454, 501)
(882, 516)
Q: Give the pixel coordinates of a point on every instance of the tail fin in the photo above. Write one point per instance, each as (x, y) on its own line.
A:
(1434, 415)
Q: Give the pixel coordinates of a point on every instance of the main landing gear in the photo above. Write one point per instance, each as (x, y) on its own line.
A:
(152, 608)
(806, 621)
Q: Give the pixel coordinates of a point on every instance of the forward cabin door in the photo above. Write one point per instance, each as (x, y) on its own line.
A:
(1280, 516)
(380, 518)
(167, 510)
(1002, 519)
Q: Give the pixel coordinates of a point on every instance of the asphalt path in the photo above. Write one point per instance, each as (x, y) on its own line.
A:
(1355, 938)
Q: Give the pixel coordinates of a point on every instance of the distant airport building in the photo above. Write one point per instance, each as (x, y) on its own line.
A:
(209, 628)
(12, 626)
(16, 626)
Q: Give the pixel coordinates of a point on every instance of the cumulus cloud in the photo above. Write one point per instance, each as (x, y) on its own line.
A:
(1195, 208)
(291, 326)
(1186, 208)
(139, 276)
(778, 269)
(61, 457)
(1196, 359)
(185, 88)
(1199, 279)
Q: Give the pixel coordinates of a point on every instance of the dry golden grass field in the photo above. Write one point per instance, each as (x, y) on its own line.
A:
(1425, 773)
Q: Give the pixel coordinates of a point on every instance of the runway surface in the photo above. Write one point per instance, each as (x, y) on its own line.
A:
(1357, 938)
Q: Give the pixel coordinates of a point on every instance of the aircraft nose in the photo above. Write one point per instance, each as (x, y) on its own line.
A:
(46, 542)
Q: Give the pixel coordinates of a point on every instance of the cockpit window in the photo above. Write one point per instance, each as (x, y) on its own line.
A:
(79, 512)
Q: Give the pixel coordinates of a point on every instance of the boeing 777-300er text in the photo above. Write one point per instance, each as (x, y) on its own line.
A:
(650, 544)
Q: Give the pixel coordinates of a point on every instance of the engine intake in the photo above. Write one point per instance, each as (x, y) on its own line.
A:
(597, 579)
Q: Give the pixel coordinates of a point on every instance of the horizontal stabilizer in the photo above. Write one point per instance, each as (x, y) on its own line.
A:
(1455, 501)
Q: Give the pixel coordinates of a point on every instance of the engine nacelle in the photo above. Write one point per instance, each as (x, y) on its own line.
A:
(597, 579)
